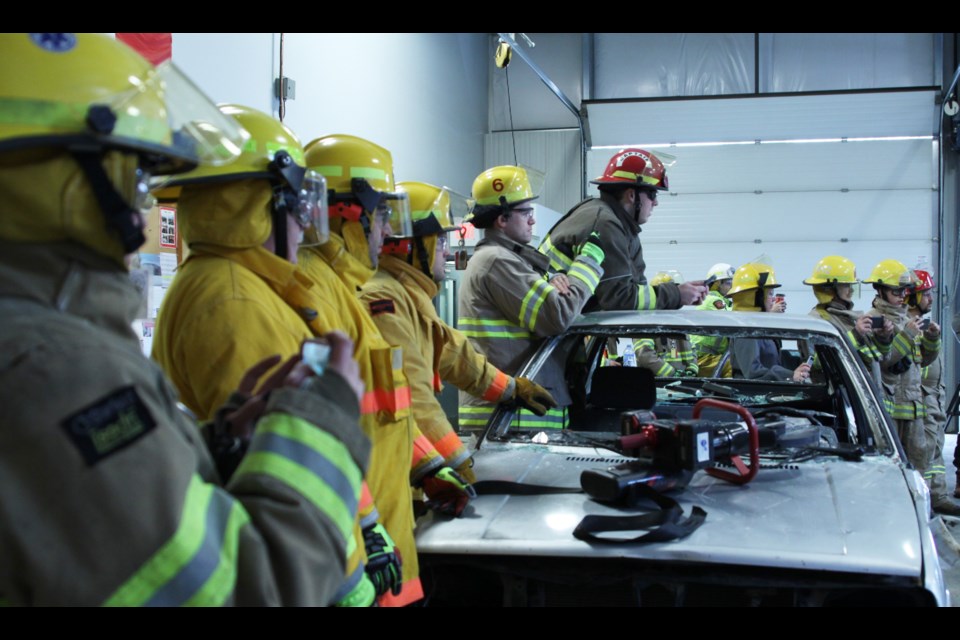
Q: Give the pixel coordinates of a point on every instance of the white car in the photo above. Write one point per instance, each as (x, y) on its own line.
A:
(824, 510)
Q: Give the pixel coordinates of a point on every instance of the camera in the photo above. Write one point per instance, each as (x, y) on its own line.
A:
(876, 322)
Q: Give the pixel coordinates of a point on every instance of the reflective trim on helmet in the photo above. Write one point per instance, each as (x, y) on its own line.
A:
(273, 147)
(370, 173)
(14, 111)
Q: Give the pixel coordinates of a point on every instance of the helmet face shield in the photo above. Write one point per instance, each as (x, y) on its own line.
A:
(200, 130)
(394, 209)
(312, 207)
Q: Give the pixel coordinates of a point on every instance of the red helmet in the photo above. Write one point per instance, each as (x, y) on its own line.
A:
(635, 167)
(924, 280)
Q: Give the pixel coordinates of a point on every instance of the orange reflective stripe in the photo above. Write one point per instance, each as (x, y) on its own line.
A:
(421, 449)
(366, 500)
(495, 391)
(411, 592)
(437, 386)
(380, 399)
(448, 444)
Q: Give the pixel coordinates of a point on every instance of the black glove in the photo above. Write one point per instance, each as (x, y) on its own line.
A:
(384, 565)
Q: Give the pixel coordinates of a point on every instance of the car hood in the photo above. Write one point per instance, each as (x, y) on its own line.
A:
(822, 514)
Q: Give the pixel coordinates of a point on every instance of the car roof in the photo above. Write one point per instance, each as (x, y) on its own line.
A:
(693, 318)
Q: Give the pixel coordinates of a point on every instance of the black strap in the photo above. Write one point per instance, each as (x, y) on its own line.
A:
(119, 214)
(666, 524)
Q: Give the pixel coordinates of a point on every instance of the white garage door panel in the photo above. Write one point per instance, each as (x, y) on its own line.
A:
(907, 113)
(792, 261)
(813, 217)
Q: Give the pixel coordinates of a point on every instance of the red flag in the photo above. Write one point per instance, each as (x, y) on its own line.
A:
(155, 47)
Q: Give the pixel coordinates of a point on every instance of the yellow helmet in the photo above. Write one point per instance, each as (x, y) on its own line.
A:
(432, 209)
(891, 273)
(666, 276)
(832, 270)
(97, 121)
(498, 189)
(752, 276)
(243, 215)
(359, 174)
(74, 89)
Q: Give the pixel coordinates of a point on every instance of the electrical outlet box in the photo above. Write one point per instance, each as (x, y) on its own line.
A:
(285, 88)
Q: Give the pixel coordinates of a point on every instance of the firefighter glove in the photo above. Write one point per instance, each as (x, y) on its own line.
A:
(383, 560)
(529, 395)
(591, 248)
(448, 492)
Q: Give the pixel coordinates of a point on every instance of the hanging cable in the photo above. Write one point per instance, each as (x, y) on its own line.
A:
(513, 134)
(280, 88)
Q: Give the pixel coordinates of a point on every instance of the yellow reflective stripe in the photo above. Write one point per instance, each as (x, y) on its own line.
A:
(666, 370)
(368, 172)
(559, 261)
(198, 564)
(295, 153)
(329, 170)
(585, 273)
(930, 345)
(532, 301)
(480, 328)
(73, 116)
(310, 461)
(646, 298)
(642, 343)
(629, 175)
(903, 346)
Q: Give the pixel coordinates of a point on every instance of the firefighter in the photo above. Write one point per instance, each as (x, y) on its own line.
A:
(711, 349)
(400, 300)
(117, 499)
(912, 349)
(239, 296)
(920, 303)
(759, 358)
(666, 356)
(628, 194)
(509, 298)
(833, 281)
(363, 204)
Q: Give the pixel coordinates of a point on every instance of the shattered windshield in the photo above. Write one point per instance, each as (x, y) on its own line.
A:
(805, 393)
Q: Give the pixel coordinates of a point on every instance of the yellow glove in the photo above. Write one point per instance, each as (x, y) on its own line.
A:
(529, 395)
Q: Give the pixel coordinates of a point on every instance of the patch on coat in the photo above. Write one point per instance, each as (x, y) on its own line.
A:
(719, 304)
(109, 424)
(381, 306)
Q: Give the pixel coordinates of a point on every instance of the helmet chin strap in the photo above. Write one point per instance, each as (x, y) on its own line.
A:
(120, 214)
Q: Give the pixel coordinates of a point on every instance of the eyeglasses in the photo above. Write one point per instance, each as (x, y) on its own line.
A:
(651, 193)
(524, 211)
(899, 293)
(442, 244)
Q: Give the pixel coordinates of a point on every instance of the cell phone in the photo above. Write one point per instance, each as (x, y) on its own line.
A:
(810, 361)
(316, 355)
(924, 324)
(876, 322)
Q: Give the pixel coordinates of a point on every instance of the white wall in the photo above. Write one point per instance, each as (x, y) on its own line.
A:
(422, 96)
